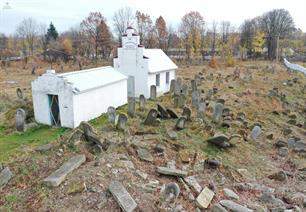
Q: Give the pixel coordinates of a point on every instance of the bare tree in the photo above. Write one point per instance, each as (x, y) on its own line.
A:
(214, 37)
(277, 23)
(144, 27)
(123, 18)
(28, 30)
(225, 30)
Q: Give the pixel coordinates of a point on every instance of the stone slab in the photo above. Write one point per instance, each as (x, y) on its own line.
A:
(57, 177)
(122, 197)
(173, 172)
(5, 176)
(204, 198)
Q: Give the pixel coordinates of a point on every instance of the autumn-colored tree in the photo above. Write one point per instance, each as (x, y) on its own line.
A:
(191, 30)
(97, 32)
(146, 30)
(258, 43)
(67, 45)
(162, 33)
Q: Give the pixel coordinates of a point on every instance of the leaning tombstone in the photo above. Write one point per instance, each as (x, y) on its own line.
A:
(19, 93)
(185, 89)
(153, 92)
(111, 112)
(20, 120)
(142, 102)
(180, 124)
(201, 109)
(162, 112)
(131, 106)
(218, 110)
(121, 121)
(151, 119)
(187, 113)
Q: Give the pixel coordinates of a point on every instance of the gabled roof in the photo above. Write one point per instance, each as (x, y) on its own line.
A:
(158, 60)
(92, 78)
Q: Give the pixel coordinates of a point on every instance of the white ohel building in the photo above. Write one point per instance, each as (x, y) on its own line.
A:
(144, 67)
(70, 98)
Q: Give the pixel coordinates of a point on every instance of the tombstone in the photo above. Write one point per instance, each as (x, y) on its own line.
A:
(256, 131)
(163, 112)
(121, 121)
(187, 113)
(181, 101)
(20, 120)
(209, 94)
(111, 113)
(153, 92)
(222, 101)
(241, 116)
(215, 90)
(131, 106)
(177, 88)
(172, 85)
(185, 89)
(218, 110)
(179, 81)
(201, 109)
(180, 124)
(172, 114)
(33, 70)
(151, 119)
(142, 102)
(194, 85)
(197, 79)
(226, 112)
(19, 93)
(195, 98)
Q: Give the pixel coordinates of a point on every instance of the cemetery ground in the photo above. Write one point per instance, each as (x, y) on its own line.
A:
(260, 168)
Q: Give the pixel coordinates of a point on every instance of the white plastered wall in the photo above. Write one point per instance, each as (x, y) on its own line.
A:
(164, 87)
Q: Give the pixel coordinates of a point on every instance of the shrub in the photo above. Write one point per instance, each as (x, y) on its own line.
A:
(213, 63)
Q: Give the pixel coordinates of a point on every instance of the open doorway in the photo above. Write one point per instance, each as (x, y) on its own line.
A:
(54, 110)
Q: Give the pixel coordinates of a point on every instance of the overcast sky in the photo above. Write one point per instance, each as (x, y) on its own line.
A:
(67, 13)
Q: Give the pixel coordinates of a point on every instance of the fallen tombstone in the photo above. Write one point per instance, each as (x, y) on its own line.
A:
(279, 176)
(220, 141)
(122, 197)
(57, 177)
(230, 194)
(172, 114)
(193, 183)
(44, 148)
(204, 198)
(218, 208)
(163, 112)
(232, 206)
(172, 172)
(5, 176)
(144, 155)
(172, 135)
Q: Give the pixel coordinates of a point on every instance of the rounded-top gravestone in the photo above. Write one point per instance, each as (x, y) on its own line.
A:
(20, 120)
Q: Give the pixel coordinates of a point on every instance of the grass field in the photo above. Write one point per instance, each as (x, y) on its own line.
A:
(12, 144)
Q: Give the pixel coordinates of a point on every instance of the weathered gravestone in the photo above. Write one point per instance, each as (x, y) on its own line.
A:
(177, 88)
(180, 124)
(209, 94)
(20, 120)
(172, 85)
(111, 113)
(5, 176)
(162, 112)
(181, 101)
(121, 121)
(201, 109)
(122, 197)
(153, 92)
(187, 113)
(185, 90)
(217, 114)
(194, 85)
(256, 131)
(152, 118)
(142, 102)
(195, 98)
(19, 93)
(131, 106)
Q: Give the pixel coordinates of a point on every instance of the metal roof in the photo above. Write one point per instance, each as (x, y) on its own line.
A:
(92, 78)
(158, 61)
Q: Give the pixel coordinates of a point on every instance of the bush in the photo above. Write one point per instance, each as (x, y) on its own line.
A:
(230, 62)
(213, 63)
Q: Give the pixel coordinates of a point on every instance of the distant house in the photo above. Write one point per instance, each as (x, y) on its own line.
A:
(65, 100)
(143, 67)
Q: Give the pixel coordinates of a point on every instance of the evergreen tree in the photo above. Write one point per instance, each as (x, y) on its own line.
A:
(52, 34)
